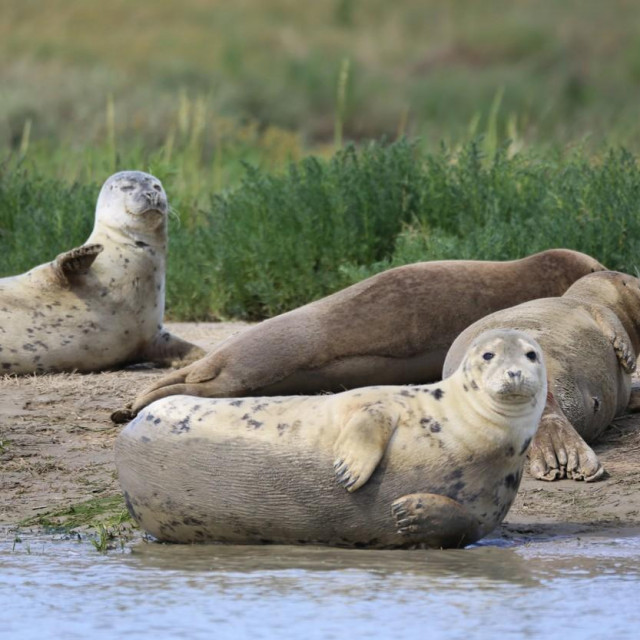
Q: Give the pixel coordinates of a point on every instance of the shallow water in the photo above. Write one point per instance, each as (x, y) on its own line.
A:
(567, 587)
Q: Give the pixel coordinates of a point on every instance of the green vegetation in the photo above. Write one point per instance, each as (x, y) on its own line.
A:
(103, 512)
(245, 112)
(280, 240)
(77, 71)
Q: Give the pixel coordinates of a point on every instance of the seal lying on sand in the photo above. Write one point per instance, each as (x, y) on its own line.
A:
(590, 337)
(100, 305)
(437, 465)
(393, 328)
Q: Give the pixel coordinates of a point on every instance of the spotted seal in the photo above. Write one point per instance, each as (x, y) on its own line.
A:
(392, 328)
(436, 465)
(99, 305)
(590, 337)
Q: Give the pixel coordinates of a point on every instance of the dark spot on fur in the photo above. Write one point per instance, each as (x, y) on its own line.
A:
(236, 403)
(510, 451)
(512, 481)
(596, 405)
(182, 426)
(525, 444)
(157, 421)
(437, 393)
(424, 422)
(454, 475)
(435, 427)
(464, 386)
(149, 417)
(28, 347)
(145, 439)
(474, 386)
(282, 426)
(407, 394)
(254, 423)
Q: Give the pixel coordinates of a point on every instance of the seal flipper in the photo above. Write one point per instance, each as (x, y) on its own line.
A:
(558, 451)
(615, 332)
(75, 262)
(434, 520)
(634, 399)
(361, 445)
(170, 351)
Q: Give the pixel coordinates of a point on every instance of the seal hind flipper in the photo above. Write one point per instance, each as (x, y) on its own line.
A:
(76, 262)
(168, 350)
(434, 520)
(361, 445)
(558, 451)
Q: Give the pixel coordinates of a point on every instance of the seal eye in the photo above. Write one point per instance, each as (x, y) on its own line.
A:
(531, 355)
(488, 355)
(157, 187)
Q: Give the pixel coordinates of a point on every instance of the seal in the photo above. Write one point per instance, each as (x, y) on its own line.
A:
(392, 328)
(590, 337)
(99, 305)
(435, 465)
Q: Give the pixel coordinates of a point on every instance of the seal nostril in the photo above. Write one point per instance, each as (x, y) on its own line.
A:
(514, 374)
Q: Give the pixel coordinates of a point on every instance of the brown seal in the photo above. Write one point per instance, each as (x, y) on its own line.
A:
(436, 465)
(392, 328)
(590, 337)
(100, 305)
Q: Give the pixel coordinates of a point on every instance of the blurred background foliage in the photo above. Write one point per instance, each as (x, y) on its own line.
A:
(247, 111)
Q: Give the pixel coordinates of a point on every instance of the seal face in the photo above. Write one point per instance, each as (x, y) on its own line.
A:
(99, 305)
(387, 329)
(590, 337)
(436, 465)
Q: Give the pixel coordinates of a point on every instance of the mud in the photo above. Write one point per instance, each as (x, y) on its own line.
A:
(56, 455)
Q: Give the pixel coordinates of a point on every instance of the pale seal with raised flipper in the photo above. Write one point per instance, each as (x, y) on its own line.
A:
(435, 465)
(99, 305)
(392, 328)
(590, 337)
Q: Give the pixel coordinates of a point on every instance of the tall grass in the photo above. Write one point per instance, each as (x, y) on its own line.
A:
(281, 239)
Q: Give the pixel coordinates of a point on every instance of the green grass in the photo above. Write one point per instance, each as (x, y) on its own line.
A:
(107, 511)
(281, 239)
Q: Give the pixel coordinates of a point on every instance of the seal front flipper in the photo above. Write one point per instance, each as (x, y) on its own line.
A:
(75, 262)
(434, 520)
(168, 350)
(615, 332)
(558, 451)
(361, 445)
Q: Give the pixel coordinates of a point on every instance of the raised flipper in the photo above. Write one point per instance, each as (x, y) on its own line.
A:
(75, 262)
(558, 451)
(615, 332)
(361, 445)
(168, 350)
(434, 520)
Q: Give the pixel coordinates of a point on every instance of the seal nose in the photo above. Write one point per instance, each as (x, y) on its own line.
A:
(514, 373)
(154, 198)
